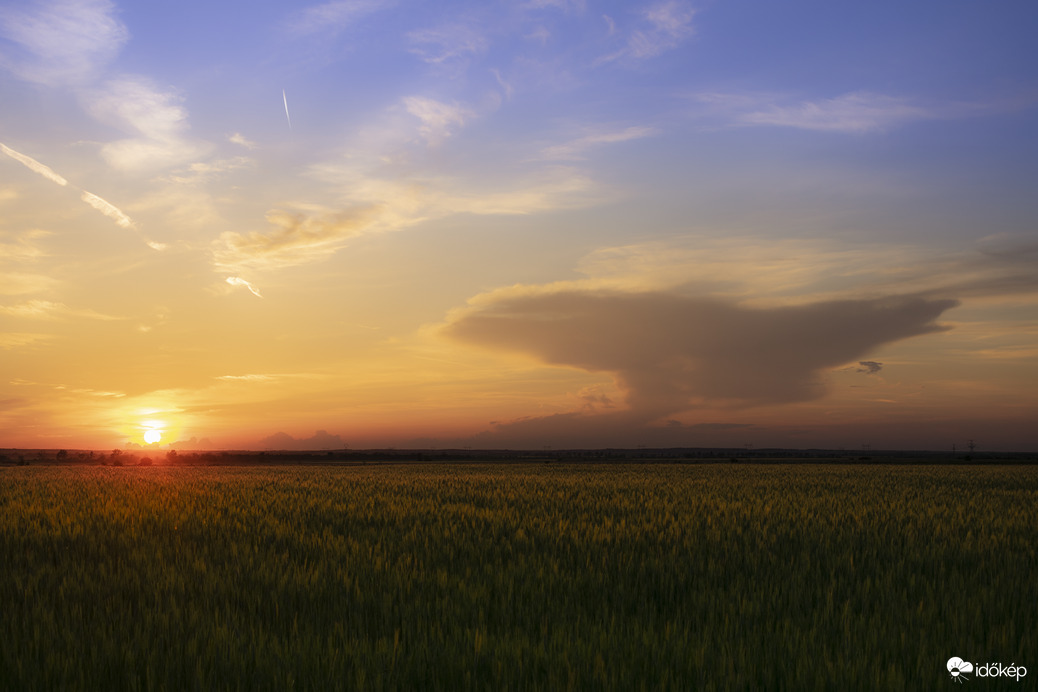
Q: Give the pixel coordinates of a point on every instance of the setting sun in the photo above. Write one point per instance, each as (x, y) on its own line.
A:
(152, 436)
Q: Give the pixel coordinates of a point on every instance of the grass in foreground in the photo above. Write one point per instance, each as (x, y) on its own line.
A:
(514, 577)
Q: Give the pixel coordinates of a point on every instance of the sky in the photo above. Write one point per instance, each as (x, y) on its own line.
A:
(528, 224)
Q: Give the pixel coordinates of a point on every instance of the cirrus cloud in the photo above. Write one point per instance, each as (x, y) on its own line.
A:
(857, 112)
(297, 238)
(62, 42)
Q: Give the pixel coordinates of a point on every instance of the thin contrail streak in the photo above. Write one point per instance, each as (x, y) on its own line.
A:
(33, 165)
(107, 208)
(286, 109)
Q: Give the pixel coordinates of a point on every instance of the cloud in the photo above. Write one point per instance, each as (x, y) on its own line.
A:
(193, 443)
(296, 239)
(663, 27)
(107, 208)
(764, 269)
(241, 140)
(23, 249)
(156, 116)
(669, 23)
(332, 17)
(205, 171)
(564, 5)
(33, 165)
(592, 398)
(869, 367)
(401, 202)
(856, 112)
(375, 205)
(574, 149)
(14, 283)
(555, 188)
(669, 352)
(438, 119)
(47, 310)
(103, 206)
(320, 440)
(597, 430)
(9, 340)
(62, 42)
(246, 378)
(445, 43)
(238, 281)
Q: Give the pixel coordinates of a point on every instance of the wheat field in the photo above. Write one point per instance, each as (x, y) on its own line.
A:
(514, 577)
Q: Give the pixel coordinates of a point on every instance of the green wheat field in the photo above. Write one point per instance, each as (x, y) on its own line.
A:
(515, 576)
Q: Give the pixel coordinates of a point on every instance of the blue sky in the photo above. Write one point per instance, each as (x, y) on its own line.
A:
(234, 219)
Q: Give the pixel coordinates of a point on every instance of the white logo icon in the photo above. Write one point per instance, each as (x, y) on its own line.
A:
(958, 668)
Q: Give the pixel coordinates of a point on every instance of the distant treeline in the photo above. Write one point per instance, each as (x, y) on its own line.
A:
(118, 457)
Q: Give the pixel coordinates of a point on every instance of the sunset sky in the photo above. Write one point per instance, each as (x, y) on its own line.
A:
(564, 223)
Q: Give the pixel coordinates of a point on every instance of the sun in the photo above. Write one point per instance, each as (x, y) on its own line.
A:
(152, 436)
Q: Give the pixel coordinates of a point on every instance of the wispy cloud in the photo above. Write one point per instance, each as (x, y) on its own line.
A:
(574, 149)
(238, 281)
(61, 42)
(297, 238)
(241, 140)
(856, 112)
(33, 165)
(156, 116)
(205, 171)
(565, 5)
(401, 202)
(108, 209)
(445, 43)
(246, 378)
(103, 206)
(662, 27)
(23, 248)
(47, 310)
(331, 17)
(9, 340)
(438, 119)
(763, 270)
(559, 187)
(19, 284)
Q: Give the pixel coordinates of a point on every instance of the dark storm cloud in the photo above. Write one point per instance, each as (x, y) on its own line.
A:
(668, 351)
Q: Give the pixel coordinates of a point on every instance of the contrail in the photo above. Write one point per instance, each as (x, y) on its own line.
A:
(107, 208)
(33, 165)
(286, 109)
(102, 205)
